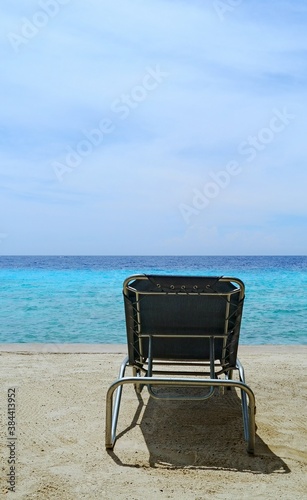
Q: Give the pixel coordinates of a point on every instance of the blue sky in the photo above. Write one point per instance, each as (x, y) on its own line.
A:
(153, 127)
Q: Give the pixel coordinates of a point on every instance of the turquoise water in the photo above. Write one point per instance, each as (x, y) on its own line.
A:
(79, 299)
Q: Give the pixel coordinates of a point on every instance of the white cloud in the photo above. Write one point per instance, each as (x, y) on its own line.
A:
(225, 79)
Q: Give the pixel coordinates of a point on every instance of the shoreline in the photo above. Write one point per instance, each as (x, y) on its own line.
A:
(76, 348)
(73, 348)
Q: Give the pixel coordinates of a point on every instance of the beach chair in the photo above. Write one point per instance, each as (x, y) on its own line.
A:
(183, 335)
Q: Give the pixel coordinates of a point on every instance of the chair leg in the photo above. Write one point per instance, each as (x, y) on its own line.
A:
(113, 410)
(245, 409)
(137, 373)
(229, 376)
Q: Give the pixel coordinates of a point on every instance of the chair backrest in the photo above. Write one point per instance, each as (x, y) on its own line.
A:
(180, 314)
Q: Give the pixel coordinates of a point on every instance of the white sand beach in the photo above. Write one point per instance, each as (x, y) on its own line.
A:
(166, 450)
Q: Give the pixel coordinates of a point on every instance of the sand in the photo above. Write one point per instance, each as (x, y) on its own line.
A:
(165, 450)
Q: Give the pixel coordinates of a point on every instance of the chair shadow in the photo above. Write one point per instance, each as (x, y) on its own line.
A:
(200, 435)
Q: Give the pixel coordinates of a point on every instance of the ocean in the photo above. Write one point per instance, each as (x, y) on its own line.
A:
(79, 299)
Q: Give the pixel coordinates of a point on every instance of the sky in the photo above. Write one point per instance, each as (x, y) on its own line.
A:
(157, 127)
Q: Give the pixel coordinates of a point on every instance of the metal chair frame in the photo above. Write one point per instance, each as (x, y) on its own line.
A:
(146, 367)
